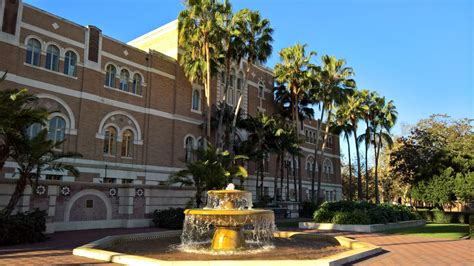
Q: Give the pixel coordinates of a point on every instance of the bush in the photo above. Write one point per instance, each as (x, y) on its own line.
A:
(354, 217)
(171, 218)
(471, 225)
(307, 209)
(23, 227)
(439, 216)
(349, 212)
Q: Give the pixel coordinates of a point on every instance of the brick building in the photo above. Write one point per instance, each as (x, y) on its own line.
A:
(129, 110)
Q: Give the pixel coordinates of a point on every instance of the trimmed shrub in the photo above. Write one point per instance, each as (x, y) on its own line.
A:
(354, 217)
(363, 213)
(471, 225)
(439, 216)
(23, 227)
(307, 209)
(171, 218)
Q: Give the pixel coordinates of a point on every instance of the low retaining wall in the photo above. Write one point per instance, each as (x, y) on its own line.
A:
(364, 228)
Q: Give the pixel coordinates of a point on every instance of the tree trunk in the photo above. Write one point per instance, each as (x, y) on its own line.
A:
(323, 146)
(219, 141)
(257, 176)
(207, 89)
(359, 174)
(275, 181)
(295, 184)
(261, 178)
(282, 173)
(316, 148)
(350, 165)
(377, 153)
(19, 189)
(367, 144)
(287, 183)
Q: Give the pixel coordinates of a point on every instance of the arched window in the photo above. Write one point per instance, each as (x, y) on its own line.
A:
(52, 58)
(137, 84)
(124, 76)
(327, 169)
(196, 104)
(33, 130)
(56, 129)
(110, 140)
(200, 143)
(261, 90)
(70, 62)
(127, 141)
(33, 52)
(189, 149)
(309, 166)
(110, 74)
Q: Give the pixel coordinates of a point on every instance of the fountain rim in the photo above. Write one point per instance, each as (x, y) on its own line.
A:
(223, 191)
(224, 212)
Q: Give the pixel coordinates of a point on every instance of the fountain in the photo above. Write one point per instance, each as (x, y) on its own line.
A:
(227, 213)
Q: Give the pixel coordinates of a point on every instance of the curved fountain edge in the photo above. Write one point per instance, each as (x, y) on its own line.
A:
(358, 250)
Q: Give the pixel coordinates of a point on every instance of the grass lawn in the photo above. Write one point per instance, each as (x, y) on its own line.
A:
(453, 231)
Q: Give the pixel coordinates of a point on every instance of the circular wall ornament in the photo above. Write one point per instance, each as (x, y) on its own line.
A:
(113, 192)
(65, 190)
(139, 192)
(40, 190)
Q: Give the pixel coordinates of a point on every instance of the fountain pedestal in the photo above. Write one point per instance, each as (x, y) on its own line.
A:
(228, 238)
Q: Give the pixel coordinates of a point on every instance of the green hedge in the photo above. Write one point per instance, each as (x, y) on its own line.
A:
(171, 218)
(349, 212)
(438, 216)
(23, 227)
(307, 209)
(471, 225)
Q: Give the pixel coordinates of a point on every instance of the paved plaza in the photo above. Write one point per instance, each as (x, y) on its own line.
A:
(398, 249)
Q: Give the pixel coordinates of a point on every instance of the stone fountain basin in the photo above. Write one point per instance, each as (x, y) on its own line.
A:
(96, 250)
(228, 218)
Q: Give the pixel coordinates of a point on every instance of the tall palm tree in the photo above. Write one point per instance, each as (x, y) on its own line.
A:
(200, 37)
(384, 120)
(295, 72)
(342, 125)
(17, 112)
(254, 45)
(34, 156)
(335, 84)
(368, 99)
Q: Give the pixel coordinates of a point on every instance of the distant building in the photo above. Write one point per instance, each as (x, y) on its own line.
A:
(132, 114)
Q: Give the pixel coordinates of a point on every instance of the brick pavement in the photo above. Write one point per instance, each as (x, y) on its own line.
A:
(399, 249)
(57, 250)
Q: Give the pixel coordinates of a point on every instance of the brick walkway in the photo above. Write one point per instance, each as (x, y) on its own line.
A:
(58, 249)
(399, 250)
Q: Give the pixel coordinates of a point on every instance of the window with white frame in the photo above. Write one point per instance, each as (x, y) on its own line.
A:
(70, 63)
(110, 140)
(196, 100)
(110, 74)
(137, 84)
(189, 147)
(33, 52)
(124, 77)
(328, 169)
(239, 86)
(261, 90)
(52, 58)
(33, 130)
(56, 129)
(127, 142)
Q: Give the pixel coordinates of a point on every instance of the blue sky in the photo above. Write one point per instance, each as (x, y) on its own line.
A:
(418, 53)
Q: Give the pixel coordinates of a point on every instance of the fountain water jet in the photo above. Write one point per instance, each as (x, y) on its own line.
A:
(226, 215)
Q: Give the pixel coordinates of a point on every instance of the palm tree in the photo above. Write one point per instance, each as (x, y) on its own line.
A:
(200, 37)
(368, 99)
(334, 87)
(210, 171)
(342, 125)
(296, 74)
(17, 112)
(34, 156)
(384, 120)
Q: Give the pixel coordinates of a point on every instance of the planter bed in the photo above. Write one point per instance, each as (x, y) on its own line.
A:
(365, 228)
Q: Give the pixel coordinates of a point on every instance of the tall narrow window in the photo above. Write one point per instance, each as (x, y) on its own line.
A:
(196, 104)
(56, 129)
(33, 130)
(70, 62)
(189, 149)
(110, 74)
(33, 52)
(327, 169)
(261, 90)
(127, 139)
(124, 76)
(110, 141)
(52, 58)
(230, 90)
(239, 87)
(137, 84)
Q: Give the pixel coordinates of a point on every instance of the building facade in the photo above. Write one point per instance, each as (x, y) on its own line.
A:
(132, 114)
